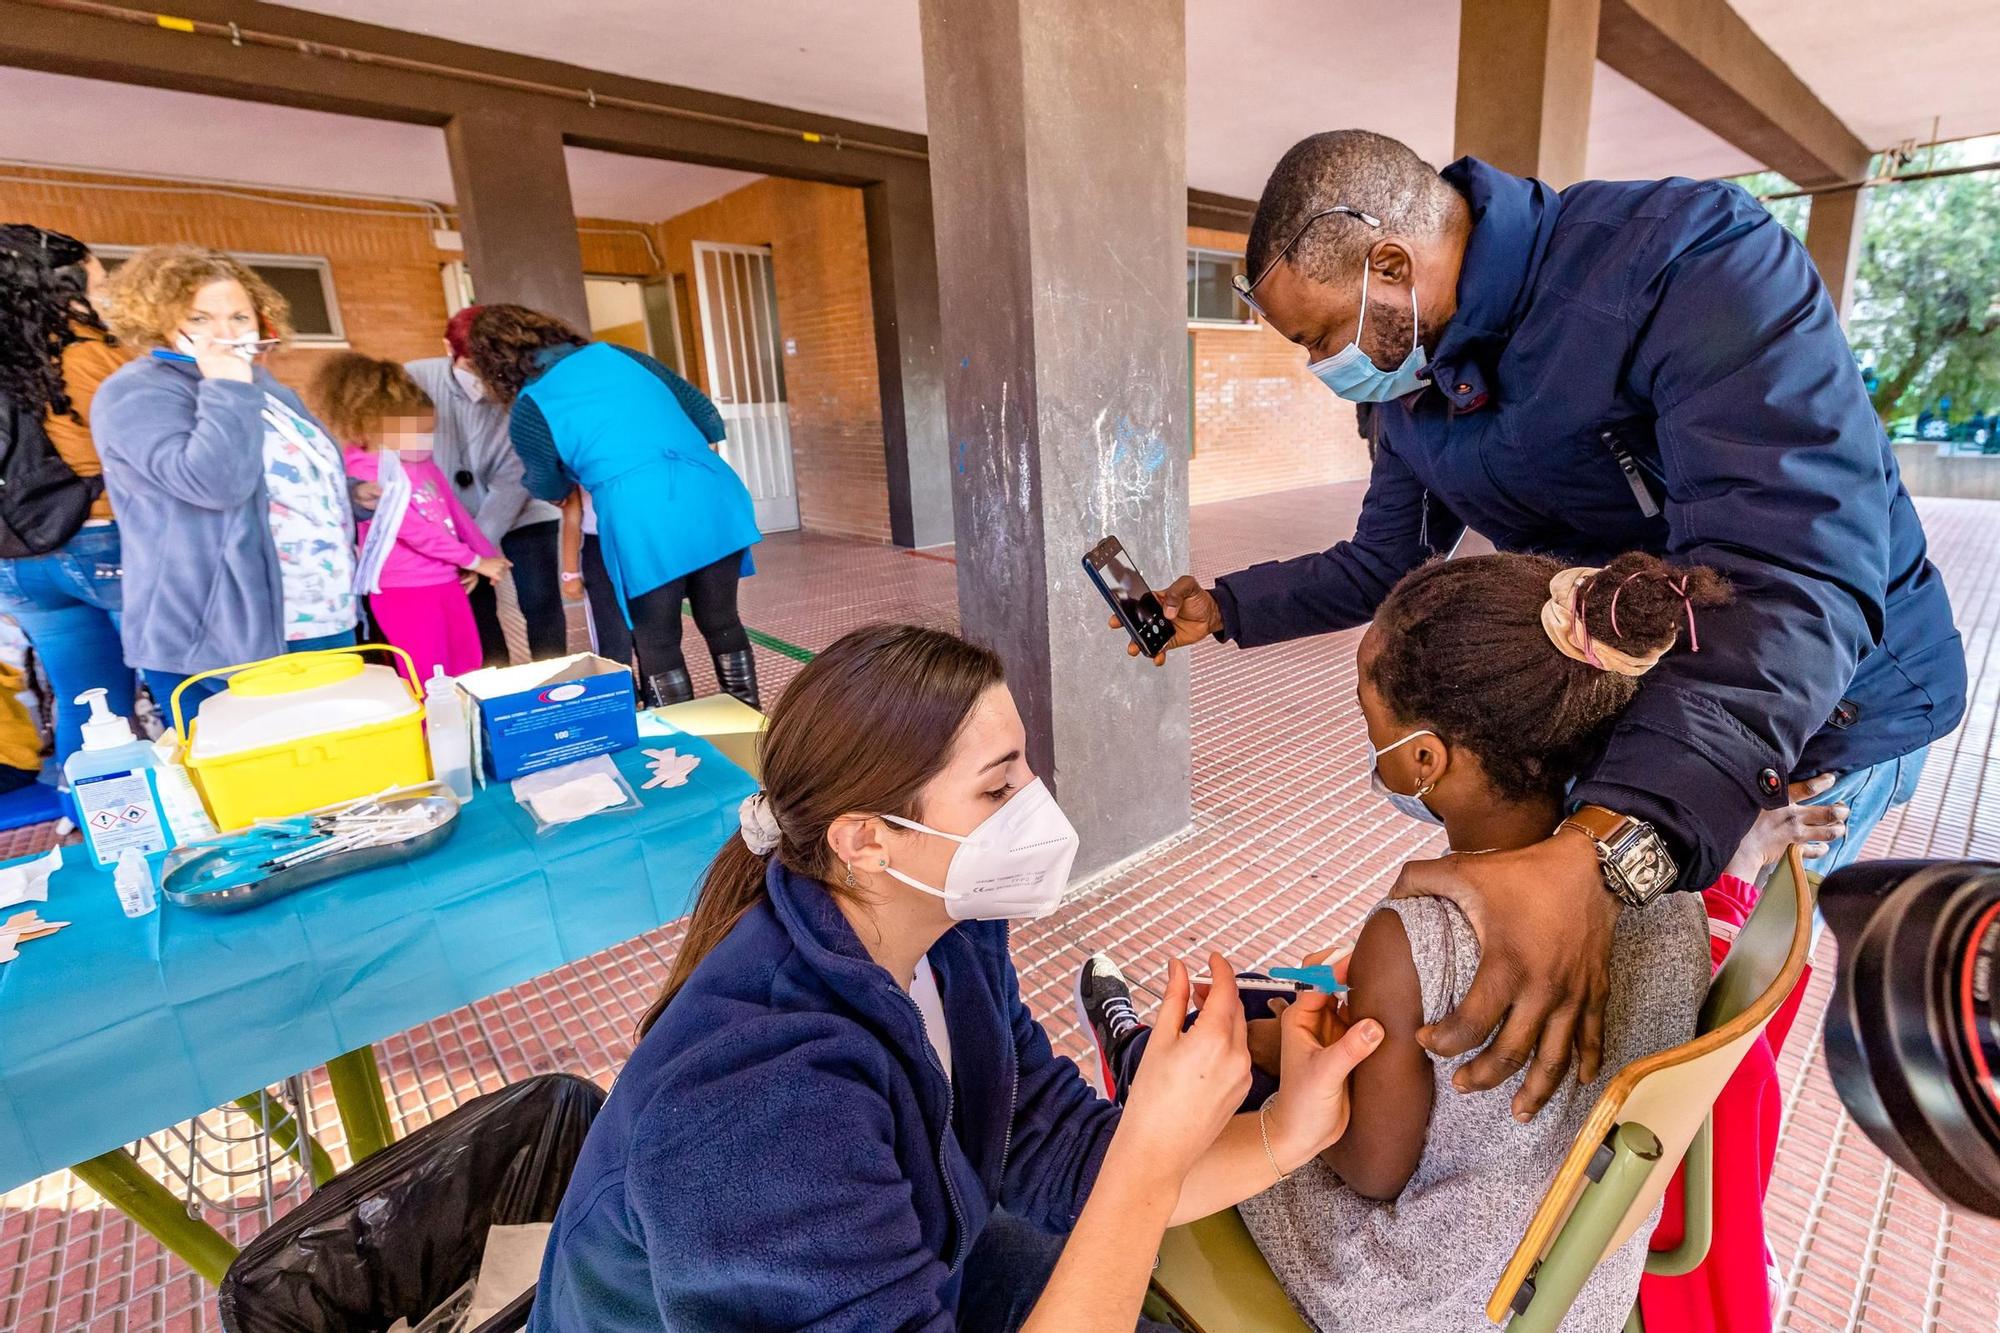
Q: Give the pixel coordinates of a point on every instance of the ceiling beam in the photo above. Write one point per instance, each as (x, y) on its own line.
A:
(360, 69)
(363, 69)
(1702, 59)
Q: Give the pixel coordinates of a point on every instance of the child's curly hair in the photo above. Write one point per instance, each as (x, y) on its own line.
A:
(152, 291)
(354, 393)
(1463, 651)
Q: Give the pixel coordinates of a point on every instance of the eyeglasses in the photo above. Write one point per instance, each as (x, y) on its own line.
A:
(1245, 285)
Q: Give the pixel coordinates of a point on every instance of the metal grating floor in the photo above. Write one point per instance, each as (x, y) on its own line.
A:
(1286, 852)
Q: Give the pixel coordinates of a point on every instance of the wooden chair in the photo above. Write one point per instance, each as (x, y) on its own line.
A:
(1211, 1278)
(1653, 1113)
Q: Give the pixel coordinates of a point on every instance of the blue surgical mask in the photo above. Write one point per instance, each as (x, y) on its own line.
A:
(1412, 805)
(1351, 374)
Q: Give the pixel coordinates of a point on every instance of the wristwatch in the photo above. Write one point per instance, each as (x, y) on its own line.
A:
(1637, 867)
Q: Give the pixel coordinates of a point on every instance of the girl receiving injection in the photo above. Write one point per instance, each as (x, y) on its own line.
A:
(421, 551)
(1486, 684)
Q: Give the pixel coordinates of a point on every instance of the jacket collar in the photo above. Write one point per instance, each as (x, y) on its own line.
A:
(1512, 220)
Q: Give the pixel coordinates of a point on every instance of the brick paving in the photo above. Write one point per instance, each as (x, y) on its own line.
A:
(1286, 852)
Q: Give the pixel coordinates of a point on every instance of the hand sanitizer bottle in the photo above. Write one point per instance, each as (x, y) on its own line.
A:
(111, 781)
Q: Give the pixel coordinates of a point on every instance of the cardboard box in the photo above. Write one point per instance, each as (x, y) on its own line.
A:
(541, 714)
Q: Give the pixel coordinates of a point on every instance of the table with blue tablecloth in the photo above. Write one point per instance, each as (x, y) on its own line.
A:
(115, 1028)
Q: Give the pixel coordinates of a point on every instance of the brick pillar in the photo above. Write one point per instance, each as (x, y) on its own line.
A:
(515, 211)
(1059, 183)
(1524, 76)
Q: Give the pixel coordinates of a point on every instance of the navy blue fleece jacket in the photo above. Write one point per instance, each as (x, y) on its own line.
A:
(783, 1151)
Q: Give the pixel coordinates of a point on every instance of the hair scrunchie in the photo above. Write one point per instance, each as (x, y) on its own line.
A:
(759, 824)
(1562, 621)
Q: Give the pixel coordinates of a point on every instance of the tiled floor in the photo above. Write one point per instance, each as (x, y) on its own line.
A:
(1286, 852)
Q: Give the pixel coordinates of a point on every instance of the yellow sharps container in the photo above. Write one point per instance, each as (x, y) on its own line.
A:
(304, 730)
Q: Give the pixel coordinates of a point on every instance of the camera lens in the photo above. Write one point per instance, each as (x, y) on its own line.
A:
(1913, 1031)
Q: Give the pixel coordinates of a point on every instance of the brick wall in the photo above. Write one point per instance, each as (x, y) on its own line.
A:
(819, 261)
(385, 269)
(1261, 423)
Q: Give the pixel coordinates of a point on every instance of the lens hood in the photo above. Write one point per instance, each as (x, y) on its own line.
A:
(1913, 1029)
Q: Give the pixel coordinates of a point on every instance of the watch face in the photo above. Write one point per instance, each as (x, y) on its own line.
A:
(1638, 868)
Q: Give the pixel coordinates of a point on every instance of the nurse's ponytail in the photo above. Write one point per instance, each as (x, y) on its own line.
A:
(861, 729)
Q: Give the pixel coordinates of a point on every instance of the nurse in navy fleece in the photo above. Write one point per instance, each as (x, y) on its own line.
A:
(841, 1116)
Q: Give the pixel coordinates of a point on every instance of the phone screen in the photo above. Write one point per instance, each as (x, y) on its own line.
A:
(1135, 600)
(1129, 594)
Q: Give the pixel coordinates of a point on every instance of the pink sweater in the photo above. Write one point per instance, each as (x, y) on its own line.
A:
(438, 538)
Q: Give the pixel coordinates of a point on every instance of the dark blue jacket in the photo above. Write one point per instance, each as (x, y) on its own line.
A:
(784, 1152)
(1681, 320)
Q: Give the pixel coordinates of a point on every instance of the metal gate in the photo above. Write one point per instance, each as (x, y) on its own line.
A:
(746, 373)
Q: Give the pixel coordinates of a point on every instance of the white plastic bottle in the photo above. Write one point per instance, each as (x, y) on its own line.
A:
(111, 779)
(134, 881)
(444, 730)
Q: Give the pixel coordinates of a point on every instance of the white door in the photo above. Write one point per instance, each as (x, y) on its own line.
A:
(746, 374)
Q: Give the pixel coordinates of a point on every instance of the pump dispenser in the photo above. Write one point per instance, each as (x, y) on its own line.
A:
(104, 729)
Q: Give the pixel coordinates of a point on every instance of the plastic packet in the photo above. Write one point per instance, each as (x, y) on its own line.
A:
(558, 796)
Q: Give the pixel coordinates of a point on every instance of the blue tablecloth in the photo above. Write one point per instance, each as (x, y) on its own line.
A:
(115, 1028)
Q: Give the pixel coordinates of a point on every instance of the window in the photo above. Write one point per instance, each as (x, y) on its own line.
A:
(1211, 299)
(305, 281)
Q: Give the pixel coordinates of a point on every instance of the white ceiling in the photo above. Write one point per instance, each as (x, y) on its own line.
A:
(62, 121)
(1261, 73)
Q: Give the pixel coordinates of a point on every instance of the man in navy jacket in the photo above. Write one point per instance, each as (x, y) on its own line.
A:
(1649, 365)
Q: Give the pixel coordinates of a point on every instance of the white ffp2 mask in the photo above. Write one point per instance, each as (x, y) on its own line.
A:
(1014, 865)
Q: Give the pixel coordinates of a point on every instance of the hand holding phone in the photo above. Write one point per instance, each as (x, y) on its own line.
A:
(1130, 596)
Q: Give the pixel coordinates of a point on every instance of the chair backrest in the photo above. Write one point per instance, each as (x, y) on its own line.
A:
(1670, 1093)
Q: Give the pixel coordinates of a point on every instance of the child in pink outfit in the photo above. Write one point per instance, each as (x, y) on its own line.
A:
(417, 586)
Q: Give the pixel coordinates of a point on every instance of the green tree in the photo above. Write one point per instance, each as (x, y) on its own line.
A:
(1927, 299)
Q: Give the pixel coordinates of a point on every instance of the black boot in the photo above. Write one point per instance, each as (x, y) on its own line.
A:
(668, 687)
(737, 674)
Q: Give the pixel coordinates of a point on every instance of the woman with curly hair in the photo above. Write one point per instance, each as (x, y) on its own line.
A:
(674, 522)
(54, 353)
(234, 500)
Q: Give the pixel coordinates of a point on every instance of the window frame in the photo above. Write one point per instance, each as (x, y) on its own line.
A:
(319, 264)
(1249, 320)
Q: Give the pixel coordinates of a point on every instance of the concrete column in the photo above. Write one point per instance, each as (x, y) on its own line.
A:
(1834, 224)
(1059, 182)
(515, 212)
(903, 282)
(1525, 69)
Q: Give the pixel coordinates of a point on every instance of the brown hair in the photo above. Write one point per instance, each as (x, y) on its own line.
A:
(354, 392)
(151, 293)
(862, 728)
(505, 340)
(1462, 651)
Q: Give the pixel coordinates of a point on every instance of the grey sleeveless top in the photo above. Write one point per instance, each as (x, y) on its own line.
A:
(1430, 1260)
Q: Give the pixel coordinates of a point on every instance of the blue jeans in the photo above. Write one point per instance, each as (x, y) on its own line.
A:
(164, 683)
(1869, 793)
(1009, 1265)
(68, 603)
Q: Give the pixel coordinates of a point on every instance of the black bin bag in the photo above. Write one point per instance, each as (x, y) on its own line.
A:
(393, 1237)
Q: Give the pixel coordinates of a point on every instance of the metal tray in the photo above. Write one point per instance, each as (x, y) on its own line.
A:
(190, 870)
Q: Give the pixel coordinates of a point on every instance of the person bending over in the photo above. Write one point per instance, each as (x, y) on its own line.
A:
(840, 1114)
(1486, 683)
(674, 522)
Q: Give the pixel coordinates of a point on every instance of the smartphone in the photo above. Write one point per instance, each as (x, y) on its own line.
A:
(1129, 595)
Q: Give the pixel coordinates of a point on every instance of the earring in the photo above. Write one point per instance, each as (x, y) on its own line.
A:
(852, 883)
(882, 864)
